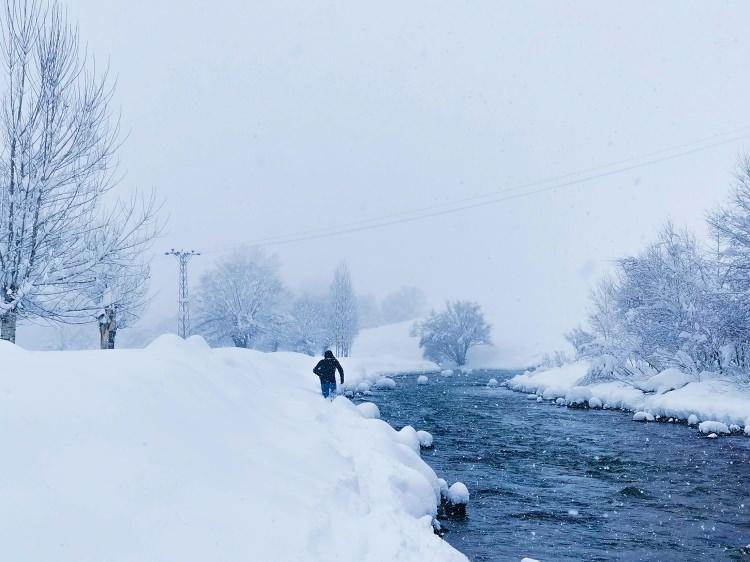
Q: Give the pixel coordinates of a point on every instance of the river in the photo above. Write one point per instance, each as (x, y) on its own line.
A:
(558, 484)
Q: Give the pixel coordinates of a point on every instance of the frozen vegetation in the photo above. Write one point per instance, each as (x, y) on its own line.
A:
(182, 452)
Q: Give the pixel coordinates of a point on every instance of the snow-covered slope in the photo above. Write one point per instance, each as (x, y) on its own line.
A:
(180, 452)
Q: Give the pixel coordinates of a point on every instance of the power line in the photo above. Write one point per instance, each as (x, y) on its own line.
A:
(183, 302)
(501, 195)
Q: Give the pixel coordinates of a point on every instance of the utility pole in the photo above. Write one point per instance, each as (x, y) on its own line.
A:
(183, 304)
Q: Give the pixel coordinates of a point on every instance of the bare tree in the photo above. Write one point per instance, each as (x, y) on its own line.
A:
(57, 162)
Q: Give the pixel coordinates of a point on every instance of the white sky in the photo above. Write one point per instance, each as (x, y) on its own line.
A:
(255, 119)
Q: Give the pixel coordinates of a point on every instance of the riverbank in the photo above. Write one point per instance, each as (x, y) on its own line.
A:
(182, 452)
(669, 396)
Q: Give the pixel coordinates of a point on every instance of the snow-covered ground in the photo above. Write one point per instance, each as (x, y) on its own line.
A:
(181, 452)
(670, 394)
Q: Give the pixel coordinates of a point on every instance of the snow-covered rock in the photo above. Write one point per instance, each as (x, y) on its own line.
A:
(539, 399)
(692, 419)
(408, 436)
(594, 402)
(363, 387)
(385, 383)
(425, 439)
(446, 372)
(422, 380)
(369, 410)
(713, 427)
(492, 383)
(667, 380)
(712, 436)
(643, 416)
(458, 493)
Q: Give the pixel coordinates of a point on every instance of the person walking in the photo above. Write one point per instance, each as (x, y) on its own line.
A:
(326, 370)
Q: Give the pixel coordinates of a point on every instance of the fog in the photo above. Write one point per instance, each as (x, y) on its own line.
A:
(254, 120)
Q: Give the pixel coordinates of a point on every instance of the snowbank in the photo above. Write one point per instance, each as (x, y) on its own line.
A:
(371, 369)
(670, 394)
(180, 452)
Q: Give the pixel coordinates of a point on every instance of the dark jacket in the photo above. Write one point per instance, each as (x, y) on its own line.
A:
(326, 369)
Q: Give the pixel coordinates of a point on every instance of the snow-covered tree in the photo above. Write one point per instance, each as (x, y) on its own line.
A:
(57, 162)
(450, 334)
(240, 298)
(408, 303)
(343, 320)
(309, 332)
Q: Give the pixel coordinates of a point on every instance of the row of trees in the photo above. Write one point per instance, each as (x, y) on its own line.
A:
(679, 303)
(66, 254)
(243, 301)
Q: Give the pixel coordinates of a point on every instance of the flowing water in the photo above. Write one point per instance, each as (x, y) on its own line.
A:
(557, 484)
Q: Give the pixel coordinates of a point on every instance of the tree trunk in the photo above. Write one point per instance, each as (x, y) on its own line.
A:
(103, 336)
(8, 326)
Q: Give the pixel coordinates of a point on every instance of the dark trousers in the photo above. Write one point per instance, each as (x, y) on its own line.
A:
(328, 388)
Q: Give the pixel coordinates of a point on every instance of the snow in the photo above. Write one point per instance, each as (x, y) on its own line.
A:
(179, 452)
(458, 493)
(425, 439)
(667, 380)
(492, 383)
(408, 436)
(713, 427)
(369, 410)
(670, 394)
(643, 416)
(363, 387)
(385, 384)
(422, 379)
(392, 340)
(594, 402)
(446, 372)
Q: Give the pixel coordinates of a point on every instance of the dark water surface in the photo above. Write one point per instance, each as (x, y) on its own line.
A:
(554, 483)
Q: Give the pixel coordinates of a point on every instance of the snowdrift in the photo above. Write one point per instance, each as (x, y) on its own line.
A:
(670, 394)
(181, 452)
